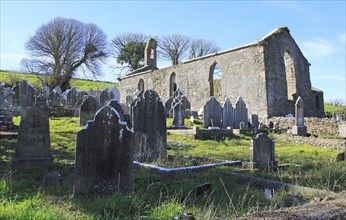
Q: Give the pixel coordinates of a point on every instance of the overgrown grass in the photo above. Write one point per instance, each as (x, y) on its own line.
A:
(329, 109)
(12, 78)
(156, 197)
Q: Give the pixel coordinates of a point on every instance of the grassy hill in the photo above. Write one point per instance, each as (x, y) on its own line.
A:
(11, 78)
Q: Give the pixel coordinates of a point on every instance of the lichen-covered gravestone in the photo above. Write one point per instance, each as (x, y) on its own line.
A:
(33, 142)
(254, 121)
(71, 98)
(178, 115)
(87, 110)
(212, 113)
(104, 156)
(227, 114)
(149, 123)
(240, 113)
(262, 153)
(299, 128)
(115, 104)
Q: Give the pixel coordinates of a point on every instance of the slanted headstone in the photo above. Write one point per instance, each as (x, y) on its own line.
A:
(299, 128)
(87, 110)
(149, 123)
(240, 113)
(212, 113)
(262, 153)
(33, 143)
(254, 121)
(104, 156)
(227, 114)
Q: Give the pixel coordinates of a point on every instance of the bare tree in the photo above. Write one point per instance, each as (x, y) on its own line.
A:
(201, 47)
(174, 47)
(62, 46)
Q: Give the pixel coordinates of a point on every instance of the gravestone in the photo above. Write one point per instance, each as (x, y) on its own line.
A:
(6, 118)
(178, 116)
(227, 114)
(92, 92)
(262, 153)
(33, 143)
(342, 130)
(78, 104)
(114, 103)
(254, 121)
(116, 94)
(87, 110)
(45, 91)
(149, 123)
(53, 99)
(58, 90)
(105, 96)
(212, 113)
(168, 105)
(240, 113)
(25, 94)
(104, 156)
(299, 128)
(276, 126)
(71, 98)
(129, 100)
(41, 101)
(242, 125)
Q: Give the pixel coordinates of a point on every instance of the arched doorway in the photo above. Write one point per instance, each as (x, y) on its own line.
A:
(214, 80)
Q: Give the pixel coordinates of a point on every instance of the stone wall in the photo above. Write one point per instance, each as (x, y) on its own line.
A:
(322, 127)
(239, 78)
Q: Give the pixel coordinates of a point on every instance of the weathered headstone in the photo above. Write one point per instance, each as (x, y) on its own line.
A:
(25, 94)
(105, 96)
(104, 156)
(242, 125)
(116, 94)
(254, 121)
(276, 126)
(114, 103)
(53, 99)
(92, 92)
(299, 128)
(342, 130)
(227, 114)
(168, 105)
(240, 113)
(129, 100)
(71, 98)
(178, 115)
(45, 91)
(78, 104)
(212, 113)
(6, 118)
(33, 142)
(149, 124)
(58, 90)
(41, 101)
(262, 153)
(87, 110)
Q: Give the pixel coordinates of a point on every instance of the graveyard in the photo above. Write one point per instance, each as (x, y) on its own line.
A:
(83, 154)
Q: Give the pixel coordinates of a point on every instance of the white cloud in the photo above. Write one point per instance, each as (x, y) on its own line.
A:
(317, 48)
(329, 77)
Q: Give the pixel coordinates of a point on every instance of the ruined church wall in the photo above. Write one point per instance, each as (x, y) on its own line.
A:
(243, 74)
(278, 80)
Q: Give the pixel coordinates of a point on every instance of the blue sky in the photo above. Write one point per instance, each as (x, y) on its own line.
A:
(318, 27)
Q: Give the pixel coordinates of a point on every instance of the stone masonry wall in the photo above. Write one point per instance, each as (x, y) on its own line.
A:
(239, 78)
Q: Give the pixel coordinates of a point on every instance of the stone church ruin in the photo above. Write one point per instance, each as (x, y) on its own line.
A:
(270, 74)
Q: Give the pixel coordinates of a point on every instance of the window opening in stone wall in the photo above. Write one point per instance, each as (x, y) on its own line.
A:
(214, 80)
(290, 76)
(172, 85)
(141, 85)
(317, 102)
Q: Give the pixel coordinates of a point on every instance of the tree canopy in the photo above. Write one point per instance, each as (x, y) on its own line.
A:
(62, 46)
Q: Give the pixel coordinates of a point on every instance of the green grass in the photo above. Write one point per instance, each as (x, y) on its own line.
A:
(156, 197)
(11, 78)
(329, 109)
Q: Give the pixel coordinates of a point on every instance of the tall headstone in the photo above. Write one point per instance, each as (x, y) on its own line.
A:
(168, 105)
(240, 113)
(41, 101)
(299, 128)
(105, 96)
(6, 118)
(212, 113)
(116, 94)
(149, 124)
(87, 110)
(115, 104)
(78, 104)
(227, 114)
(33, 142)
(26, 94)
(178, 115)
(104, 156)
(254, 121)
(53, 99)
(71, 98)
(262, 153)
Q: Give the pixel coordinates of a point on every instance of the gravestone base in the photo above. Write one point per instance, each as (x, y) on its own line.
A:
(178, 127)
(272, 165)
(299, 130)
